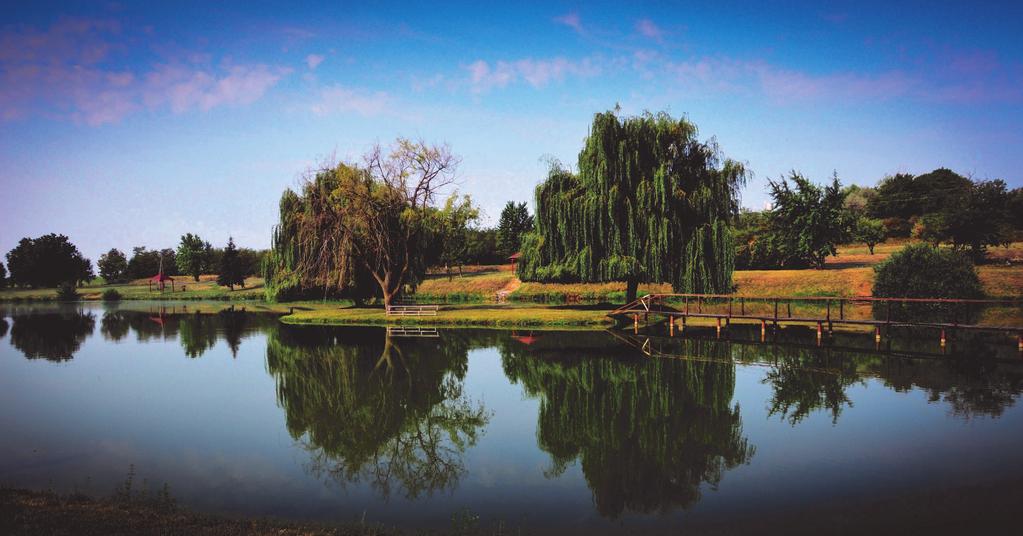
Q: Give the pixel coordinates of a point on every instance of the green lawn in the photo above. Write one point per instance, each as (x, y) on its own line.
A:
(461, 315)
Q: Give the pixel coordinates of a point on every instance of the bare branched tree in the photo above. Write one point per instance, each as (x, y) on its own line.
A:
(374, 219)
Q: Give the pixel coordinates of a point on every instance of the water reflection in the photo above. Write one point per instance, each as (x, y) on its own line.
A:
(369, 407)
(648, 434)
(56, 333)
(651, 421)
(806, 379)
(54, 336)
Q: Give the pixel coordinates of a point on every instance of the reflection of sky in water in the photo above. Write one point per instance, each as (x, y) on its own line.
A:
(211, 428)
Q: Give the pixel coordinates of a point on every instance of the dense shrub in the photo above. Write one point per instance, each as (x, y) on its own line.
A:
(924, 271)
(67, 292)
(111, 295)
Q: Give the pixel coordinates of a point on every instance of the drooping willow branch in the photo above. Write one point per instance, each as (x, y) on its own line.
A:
(649, 203)
(354, 225)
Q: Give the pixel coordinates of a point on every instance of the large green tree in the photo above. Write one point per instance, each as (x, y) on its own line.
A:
(352, 223)
(113, 266)
(193, 255)
(515, 222)
(3, 276)
(649, 203)
(47, 261)
(807, 220)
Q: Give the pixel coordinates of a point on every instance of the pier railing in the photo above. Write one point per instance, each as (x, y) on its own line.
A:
(996, 315)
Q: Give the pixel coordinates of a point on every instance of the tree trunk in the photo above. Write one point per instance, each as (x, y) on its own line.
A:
(631, 288)
(871, 248)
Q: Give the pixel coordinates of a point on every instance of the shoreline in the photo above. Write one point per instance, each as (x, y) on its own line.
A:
(25, 511)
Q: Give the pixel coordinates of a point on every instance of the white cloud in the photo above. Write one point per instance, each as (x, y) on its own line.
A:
(572, 21)
(314, 60)
(340, 99)
(647, 28)
(537, 73)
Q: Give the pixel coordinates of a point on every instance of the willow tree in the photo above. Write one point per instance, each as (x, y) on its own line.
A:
(356, 225)
(649, 203)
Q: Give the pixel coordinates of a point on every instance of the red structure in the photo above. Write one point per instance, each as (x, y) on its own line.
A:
(161, 279)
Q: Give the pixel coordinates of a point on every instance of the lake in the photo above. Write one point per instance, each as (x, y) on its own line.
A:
(538, 431)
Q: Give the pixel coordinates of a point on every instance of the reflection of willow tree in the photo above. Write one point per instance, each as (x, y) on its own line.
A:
(370, 407)
(647, 433)
(53, 336)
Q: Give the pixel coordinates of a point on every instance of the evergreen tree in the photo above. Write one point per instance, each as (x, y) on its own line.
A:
(231, 270)
(650, 203)
(515, 222)
(113, 266)
(3, 276)
(193, 255)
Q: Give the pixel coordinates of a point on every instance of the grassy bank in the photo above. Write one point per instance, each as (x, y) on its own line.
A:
(32, 512)
(470, 296)
(462, 315)
(185, 288)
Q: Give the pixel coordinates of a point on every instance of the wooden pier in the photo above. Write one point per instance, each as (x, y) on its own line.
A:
(824, 311)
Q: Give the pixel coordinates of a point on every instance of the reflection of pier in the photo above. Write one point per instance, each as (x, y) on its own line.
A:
(411, 331)
(824, 311)
(665, 346)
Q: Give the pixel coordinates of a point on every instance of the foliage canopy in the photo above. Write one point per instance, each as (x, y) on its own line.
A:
(47, 261)
(650, 203)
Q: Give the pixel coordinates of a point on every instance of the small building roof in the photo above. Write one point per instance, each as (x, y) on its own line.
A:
(161, 277)
(515, 256)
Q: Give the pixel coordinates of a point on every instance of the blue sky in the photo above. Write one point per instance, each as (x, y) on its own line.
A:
(131, 124)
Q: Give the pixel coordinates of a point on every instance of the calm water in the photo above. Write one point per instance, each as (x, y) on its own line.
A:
(541, 431)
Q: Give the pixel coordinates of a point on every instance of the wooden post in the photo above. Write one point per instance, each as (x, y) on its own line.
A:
(877, 333)
(841, 310)
(776, 311)
(729, 307)
(671, 326)
(763, 330)
(683, 326)
(719, 327)
(635, 323)
(788, 309)
(942, 338)
(819, 333)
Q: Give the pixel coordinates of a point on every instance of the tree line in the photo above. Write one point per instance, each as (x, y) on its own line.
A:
(52, 260)
(806, 221)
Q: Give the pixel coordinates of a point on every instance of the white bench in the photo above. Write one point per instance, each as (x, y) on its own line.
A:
(412, 310)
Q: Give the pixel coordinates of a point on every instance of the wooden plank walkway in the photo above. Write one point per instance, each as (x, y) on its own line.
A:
(824, 311)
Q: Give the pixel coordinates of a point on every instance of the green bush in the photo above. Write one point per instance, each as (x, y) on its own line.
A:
(111, 295)
(924, 271)
(67, 292)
